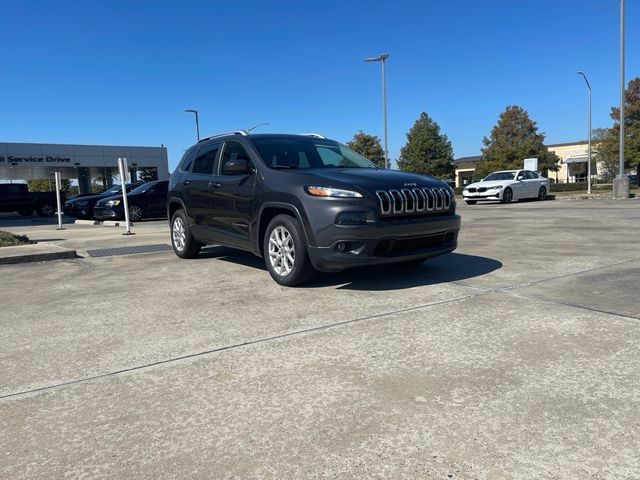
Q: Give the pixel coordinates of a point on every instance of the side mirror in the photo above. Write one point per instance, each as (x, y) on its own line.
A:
(237, 167)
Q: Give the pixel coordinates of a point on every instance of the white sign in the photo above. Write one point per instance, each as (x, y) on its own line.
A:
(531, 164)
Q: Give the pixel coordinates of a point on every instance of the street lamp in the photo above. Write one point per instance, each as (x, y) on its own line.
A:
(621, 182)
(257, 125)
(189, 110)
(580, 72)
(382, 59)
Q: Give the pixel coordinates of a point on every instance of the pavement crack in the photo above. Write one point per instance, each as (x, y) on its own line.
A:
(237, 345)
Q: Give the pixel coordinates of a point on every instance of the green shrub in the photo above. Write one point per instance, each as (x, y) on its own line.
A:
(10, 240)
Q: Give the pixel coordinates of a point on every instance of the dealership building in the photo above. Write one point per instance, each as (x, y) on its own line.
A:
(87, 164)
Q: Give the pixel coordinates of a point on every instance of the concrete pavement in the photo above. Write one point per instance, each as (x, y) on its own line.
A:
(515, 357)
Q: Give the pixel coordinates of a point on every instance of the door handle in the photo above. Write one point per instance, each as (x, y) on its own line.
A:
(186, 182)
(215, 184)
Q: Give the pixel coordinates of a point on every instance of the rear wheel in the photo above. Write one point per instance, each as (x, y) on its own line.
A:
(46, 210)
(507, 195)
(542, 193)
(285, 252)
(183, 243)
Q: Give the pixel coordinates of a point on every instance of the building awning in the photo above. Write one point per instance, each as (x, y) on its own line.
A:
(581, 159)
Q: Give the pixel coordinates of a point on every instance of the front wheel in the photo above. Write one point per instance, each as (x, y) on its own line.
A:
(135, 213)
(542, 193)
(507, 195)
(285, 252)
(183, 243)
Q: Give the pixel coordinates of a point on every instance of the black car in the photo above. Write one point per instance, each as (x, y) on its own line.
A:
(148, 200)
(305, 203)
(82, 206)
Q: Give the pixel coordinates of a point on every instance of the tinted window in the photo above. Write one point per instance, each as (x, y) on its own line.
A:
(307, 153)
(499, 176)
(233, 151)
(532, 175)
(205, 159)
(185, 166)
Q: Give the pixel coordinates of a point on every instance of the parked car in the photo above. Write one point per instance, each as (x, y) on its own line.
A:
(82, 206)
(16, 197)
(305, 203)
(506, 186)
(148, 200)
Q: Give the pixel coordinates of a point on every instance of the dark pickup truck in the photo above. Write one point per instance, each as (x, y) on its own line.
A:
(16, 197)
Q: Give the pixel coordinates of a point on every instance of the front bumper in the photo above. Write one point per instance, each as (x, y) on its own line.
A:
(107, 213)
(72, 210)
(389, 241)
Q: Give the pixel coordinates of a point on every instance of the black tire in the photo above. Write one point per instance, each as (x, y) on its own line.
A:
(542, 194)
(136, 213)
(183, 243)
(300, 270)
(46, 210)
(507, 195)
(470, 202)
(26, 213)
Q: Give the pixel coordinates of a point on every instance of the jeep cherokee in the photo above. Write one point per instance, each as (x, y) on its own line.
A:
(305, 203)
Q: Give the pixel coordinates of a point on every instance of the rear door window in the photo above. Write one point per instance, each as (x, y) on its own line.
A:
(205, 159)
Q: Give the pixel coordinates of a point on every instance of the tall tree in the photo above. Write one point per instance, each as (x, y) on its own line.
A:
(514, 138)
(427, 151)
(631, 127)
(368, 146)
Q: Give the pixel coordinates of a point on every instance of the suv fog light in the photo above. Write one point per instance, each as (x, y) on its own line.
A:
(342, 246)
(352, 218)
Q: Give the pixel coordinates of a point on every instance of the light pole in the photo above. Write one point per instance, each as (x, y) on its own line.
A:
(580, 72)
(257, 125)
(190, 110)
(621, 182)
(382, 59)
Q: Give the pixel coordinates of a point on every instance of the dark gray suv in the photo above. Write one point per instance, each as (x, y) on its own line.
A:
(305, 203)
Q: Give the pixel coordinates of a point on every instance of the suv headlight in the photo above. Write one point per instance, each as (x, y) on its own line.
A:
(112, 203)
(331, 192)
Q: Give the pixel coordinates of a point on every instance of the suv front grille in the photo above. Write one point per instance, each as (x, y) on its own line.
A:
(412, 201)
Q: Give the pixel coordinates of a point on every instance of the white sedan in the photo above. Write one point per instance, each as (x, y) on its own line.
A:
(506, 186)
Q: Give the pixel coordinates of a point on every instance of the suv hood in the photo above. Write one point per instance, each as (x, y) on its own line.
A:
(368, 179)
(87, 198)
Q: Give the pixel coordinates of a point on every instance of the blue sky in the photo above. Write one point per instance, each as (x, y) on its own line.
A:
(122, 72)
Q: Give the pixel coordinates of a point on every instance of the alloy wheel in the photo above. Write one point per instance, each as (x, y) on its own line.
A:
(135, 213)
(47, 210)
(282, 250)
(179, 234)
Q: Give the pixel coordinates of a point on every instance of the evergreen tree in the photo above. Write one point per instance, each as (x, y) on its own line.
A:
(368, 146)
(427, 151)
(514, 138)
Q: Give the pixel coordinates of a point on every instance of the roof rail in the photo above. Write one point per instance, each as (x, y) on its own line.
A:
(316, 135)
(224, 134)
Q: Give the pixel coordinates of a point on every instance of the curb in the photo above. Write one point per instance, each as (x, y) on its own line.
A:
(34, 253)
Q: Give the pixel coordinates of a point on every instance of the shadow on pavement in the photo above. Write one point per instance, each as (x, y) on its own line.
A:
(15, 220)
(447, 268)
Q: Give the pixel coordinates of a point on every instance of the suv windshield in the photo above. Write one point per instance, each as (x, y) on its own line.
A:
(305, 153)
(142, 188)
(499, 176)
